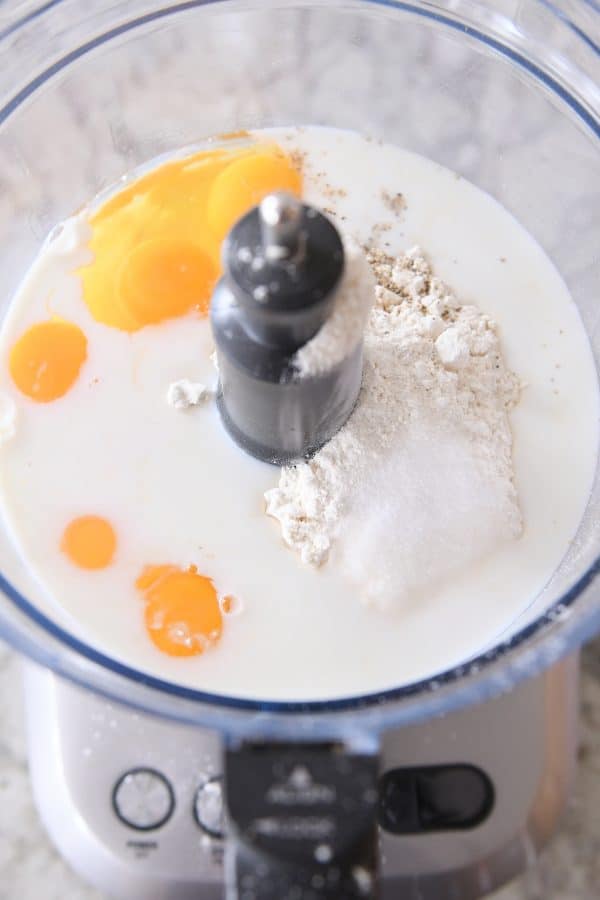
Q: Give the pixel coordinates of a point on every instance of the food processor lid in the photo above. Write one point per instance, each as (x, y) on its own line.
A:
(540, 640)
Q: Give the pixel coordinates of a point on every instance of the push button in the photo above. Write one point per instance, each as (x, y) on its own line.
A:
(143, 799)
(434, 798)
(208, 807)
(457, 797)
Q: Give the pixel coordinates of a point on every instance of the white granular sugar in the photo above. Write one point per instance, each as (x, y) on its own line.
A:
(419, 483)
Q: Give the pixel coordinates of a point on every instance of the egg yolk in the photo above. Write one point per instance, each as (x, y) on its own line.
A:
(156, 244)
(165, 278)
(243, 184)
(89, 542)
(182, 615)
(45, 361)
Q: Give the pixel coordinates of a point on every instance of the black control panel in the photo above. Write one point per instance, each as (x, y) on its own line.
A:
(434, 798)
(302, 822)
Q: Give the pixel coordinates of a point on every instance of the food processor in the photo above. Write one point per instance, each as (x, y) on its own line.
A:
(440, 789)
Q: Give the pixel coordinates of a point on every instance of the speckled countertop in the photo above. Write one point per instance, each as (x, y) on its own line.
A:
(123, 119)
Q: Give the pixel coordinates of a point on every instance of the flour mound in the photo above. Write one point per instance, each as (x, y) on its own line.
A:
(419, 483)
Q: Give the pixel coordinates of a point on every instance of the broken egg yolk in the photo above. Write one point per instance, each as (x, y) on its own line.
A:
(90, 542)
(156, 244)
(45, 361)
(182, 615)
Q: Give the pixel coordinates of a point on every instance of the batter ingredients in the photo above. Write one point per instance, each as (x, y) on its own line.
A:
(45, 362)
(89, 542)
(180, 541)
(419, 482)
(185, 393)
(170, 224)
(183, 613)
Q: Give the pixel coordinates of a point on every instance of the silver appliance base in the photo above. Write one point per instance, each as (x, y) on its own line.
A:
(125, 796)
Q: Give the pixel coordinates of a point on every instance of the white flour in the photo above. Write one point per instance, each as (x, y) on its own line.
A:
(418, 484)
(185, 393)
(345, 326)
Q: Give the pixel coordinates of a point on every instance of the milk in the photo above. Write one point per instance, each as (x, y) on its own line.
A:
(179, 491)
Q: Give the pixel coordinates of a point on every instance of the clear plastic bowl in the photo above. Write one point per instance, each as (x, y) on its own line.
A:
(505, 94)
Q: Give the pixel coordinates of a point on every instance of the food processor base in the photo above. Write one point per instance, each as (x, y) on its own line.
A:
(134, 802)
